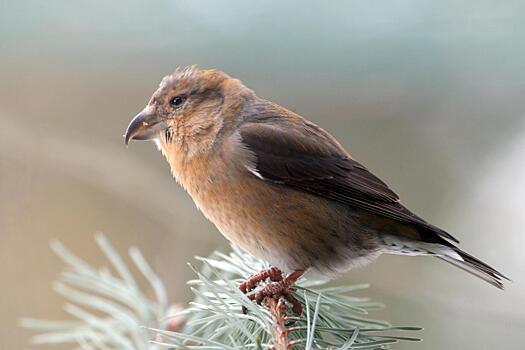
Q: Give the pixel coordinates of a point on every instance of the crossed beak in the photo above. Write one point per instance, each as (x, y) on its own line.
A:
(145, 126)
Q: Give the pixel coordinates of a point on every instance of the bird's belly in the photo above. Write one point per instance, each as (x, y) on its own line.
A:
(288, 228)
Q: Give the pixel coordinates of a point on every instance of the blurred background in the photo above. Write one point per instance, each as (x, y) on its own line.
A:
(430, 95)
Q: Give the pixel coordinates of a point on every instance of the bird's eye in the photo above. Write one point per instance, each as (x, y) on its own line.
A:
(177, 100)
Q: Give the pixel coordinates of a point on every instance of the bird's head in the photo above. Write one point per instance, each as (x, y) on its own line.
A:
(188, 109)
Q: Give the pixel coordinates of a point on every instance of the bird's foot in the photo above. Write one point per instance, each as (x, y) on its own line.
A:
(279, 288)
(273, 273)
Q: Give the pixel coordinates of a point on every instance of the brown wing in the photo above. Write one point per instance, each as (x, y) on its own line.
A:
(296, 153)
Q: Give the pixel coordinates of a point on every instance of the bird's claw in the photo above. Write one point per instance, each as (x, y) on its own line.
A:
(273, 273)
(279, 288)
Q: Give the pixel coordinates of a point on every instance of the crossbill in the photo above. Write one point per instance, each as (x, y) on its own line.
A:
(281, 187)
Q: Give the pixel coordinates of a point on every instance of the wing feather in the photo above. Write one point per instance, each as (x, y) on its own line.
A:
(299, 154)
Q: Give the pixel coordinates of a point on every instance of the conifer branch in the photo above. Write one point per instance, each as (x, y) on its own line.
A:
(111, 312)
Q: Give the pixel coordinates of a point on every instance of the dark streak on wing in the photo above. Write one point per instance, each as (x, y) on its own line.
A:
(296, 153)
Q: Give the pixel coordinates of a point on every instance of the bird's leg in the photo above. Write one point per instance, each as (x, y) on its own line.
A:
(273, 273)
(280, 289)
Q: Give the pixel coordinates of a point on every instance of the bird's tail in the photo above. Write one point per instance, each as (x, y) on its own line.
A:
(448, 252)
(475, 267)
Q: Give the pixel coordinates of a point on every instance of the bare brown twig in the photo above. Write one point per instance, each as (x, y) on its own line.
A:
(278, 311)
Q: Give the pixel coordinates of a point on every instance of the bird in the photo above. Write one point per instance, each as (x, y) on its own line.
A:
(281, 187)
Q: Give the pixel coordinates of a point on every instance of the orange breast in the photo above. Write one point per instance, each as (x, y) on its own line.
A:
(288, 228)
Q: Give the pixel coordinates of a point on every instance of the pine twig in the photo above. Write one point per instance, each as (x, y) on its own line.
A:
(277, 309)
(111, 312)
